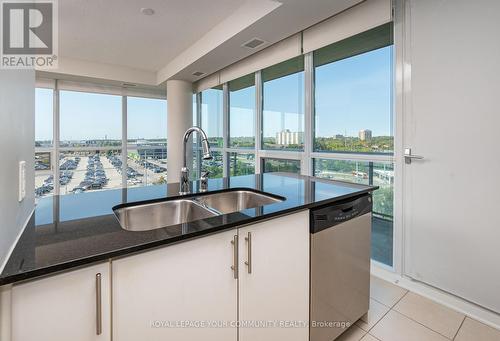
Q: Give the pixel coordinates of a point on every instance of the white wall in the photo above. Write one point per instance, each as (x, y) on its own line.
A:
(100, 71)
(17, 136)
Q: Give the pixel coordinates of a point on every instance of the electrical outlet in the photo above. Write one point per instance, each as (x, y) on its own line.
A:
(22, 180)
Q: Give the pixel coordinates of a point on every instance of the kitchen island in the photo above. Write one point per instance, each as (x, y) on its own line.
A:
(147, 288)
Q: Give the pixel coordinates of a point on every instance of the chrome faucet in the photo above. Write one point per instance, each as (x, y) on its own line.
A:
(184, 181)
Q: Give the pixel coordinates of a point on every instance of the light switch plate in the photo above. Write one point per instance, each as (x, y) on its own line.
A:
(22, 180)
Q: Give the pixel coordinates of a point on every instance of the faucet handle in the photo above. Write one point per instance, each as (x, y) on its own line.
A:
(205, 174)
(204, 181)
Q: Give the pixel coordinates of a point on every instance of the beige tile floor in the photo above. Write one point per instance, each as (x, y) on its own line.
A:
(399, 315)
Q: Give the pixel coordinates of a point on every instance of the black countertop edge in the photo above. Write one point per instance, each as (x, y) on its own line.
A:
(164, 242)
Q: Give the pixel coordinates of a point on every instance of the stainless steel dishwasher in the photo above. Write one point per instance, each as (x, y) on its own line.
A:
(340, 266)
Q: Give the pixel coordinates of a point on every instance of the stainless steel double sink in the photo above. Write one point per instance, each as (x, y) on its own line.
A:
(150, 216)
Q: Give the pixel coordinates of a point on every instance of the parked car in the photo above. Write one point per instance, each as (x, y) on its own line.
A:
(77, 190)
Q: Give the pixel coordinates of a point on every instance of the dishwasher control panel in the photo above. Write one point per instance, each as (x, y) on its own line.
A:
(337, 213)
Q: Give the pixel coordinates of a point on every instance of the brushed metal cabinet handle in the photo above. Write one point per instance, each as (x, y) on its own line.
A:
(98, 304)
(248, 263)
(234, 267)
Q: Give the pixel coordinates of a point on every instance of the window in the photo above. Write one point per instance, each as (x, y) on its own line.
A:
(146, 141)
(91, 149)
(281, 165)
(241, 163)
(214, 166)
(211, 115)
(353, 94)
(283, 106)
(351, 171)
(44, 176)
(242, 112)
(141, 112)
(90, 120)
(378, 174)
(146, 166)
(43, 117)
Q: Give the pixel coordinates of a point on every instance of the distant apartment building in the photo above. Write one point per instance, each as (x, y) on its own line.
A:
(287, 137)
(365, 134)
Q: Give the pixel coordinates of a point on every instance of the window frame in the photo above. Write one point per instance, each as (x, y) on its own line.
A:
(238, 151)
(56, 148)
(306, 156)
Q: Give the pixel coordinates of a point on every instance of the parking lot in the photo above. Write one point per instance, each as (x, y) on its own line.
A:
(143, 172)
(94, 172)
(91, 171)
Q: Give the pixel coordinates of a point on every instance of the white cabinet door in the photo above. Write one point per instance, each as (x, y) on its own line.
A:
(191, 282)
(62, 307)
(277, 288)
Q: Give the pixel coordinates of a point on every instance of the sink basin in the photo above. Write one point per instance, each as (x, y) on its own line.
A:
(160, 214)
(150, 216)
(236, 200)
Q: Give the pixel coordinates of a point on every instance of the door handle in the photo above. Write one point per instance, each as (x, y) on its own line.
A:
(248, 263)
(409, 156)
(234, 267)
(98, 304)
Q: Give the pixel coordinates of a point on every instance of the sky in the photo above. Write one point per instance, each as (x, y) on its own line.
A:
(147, 118)
(354, 94)
(43, 114)
(351, 94)
(89, 116)
(94, 116)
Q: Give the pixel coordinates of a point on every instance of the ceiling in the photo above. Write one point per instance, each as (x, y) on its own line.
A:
(116, 32)
(291, 17)
(112, 39)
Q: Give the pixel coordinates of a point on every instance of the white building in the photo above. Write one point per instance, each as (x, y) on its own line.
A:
(365, 134)
(287, 137)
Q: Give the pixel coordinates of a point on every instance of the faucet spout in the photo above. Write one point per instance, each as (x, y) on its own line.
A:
(207, 155)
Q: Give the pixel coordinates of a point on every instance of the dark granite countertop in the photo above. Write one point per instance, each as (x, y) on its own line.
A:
(68, 231)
